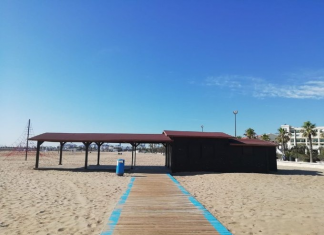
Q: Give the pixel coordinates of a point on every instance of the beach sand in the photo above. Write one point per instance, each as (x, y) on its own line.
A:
(56, 202)
(75, 202)
(290, 201)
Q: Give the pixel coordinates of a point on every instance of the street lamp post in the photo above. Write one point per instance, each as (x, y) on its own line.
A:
(202, 128)
(235, 112)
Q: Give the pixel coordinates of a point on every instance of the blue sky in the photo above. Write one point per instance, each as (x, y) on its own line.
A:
(149, 66)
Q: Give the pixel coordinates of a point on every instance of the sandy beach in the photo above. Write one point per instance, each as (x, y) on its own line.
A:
(56, 202)
(287, 202)
(74, 202)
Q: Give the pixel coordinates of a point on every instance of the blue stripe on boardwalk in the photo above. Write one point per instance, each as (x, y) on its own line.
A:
(114, 217)
(212, 220)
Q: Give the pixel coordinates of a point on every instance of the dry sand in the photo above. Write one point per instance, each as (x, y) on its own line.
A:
(67, 202)
(288, 202)
(56, 202)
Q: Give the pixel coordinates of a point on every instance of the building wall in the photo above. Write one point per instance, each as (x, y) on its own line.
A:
(296, 137)
(191, 154)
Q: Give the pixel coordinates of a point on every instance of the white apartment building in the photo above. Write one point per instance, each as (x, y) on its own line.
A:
(296, 137)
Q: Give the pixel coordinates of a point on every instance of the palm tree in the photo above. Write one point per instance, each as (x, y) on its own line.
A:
(250, 133)
(265, 137)
(283, 138)
(309, 131)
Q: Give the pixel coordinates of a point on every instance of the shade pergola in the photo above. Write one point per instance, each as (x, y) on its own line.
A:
(99, 139)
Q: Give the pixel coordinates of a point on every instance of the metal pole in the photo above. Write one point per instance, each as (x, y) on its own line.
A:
(27, 140)
(235, 112)
(202, 128)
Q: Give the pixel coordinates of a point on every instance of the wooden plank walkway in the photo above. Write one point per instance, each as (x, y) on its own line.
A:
(156, 204)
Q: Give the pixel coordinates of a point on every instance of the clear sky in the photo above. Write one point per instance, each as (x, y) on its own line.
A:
(148, 66)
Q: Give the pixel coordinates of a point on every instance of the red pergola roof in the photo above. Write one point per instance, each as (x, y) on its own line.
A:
(196, 134)
(145, 138)
(102, 137)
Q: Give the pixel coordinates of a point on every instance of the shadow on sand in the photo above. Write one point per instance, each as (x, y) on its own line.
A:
(151, 170)
(165, 170)
(91, 168)
(109, 168)
(279, 172)
(298, 172)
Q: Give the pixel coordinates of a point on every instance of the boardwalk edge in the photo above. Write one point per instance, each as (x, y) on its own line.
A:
(114, 217)
(220, 228)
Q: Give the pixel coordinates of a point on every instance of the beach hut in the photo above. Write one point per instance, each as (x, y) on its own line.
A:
(218, 152)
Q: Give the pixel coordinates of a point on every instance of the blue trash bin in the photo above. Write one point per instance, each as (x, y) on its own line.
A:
(120, 167)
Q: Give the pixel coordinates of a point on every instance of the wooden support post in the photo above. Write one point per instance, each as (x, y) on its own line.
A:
(99, 145)
(166, 158)
(87, 144)
(135, 154)
(39, 143)
(61, 150)
(132, 155)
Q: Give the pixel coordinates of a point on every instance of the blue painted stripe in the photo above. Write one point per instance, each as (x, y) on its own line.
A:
(114, 217)
(221, 229)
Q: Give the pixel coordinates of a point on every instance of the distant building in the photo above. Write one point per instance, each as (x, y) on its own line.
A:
(296, 137)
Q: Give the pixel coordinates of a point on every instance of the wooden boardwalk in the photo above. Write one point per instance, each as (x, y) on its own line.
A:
(156, 205)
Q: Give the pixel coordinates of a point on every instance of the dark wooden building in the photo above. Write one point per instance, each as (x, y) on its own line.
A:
(218, 152)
